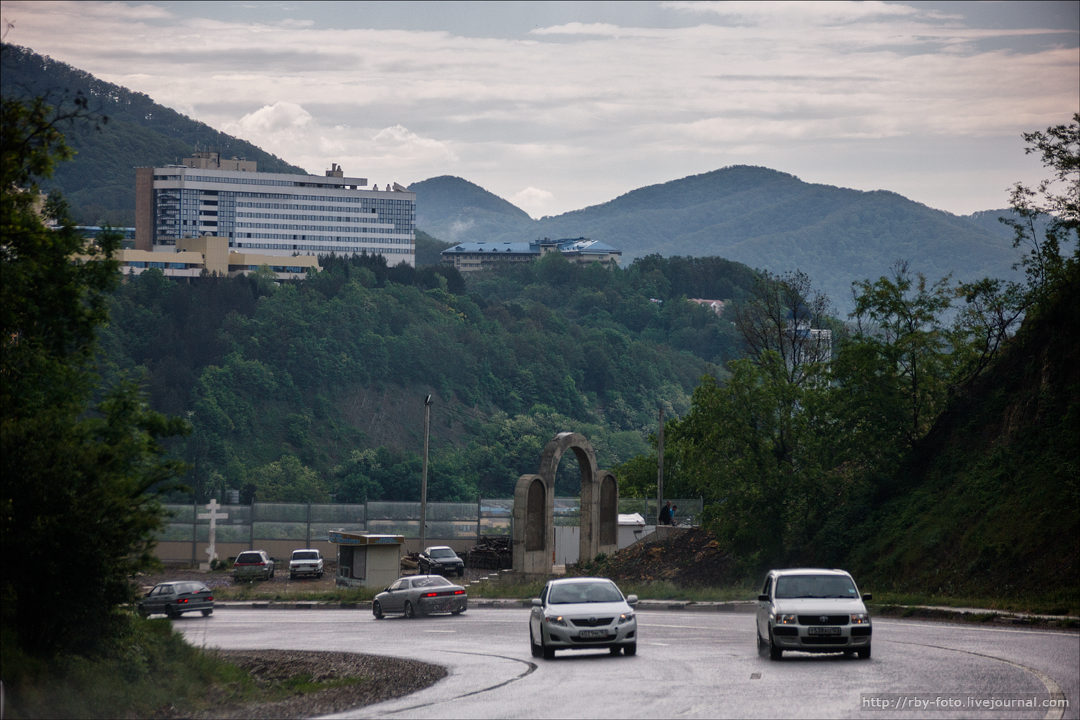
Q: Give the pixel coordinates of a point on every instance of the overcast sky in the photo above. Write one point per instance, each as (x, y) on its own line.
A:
(556, 106)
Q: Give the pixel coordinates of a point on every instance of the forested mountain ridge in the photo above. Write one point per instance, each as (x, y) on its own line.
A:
(99, 183)
(760, 217)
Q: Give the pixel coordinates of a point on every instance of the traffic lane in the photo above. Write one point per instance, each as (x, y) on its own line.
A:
(693, 664)
(706, 665)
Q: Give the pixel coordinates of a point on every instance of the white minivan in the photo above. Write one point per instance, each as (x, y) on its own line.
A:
(812, 610)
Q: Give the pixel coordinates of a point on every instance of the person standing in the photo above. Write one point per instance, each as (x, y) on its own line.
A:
(671, 514)
(665, 514)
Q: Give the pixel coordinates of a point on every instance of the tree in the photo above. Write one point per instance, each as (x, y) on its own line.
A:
(781, 317)
(79, 474)
(1056, 200)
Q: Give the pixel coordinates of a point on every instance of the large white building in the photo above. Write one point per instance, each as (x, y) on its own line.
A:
(272, 213)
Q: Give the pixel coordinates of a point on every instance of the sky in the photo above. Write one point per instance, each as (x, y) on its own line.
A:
(556, 106)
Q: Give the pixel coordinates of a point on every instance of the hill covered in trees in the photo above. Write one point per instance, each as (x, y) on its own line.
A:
(321, 384)
(99, 183)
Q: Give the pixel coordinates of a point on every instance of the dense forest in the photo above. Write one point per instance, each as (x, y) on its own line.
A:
(315, 390)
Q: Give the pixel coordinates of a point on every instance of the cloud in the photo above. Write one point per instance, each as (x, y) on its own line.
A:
(533, 200)
(584, 104)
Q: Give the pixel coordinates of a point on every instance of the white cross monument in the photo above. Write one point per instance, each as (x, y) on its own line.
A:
(213, 516)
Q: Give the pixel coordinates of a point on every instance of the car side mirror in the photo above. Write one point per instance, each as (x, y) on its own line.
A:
(536, 602)
(867, 597)
(631, 599)
(763, 598)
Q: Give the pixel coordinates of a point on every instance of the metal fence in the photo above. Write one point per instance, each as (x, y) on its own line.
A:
(310, 522)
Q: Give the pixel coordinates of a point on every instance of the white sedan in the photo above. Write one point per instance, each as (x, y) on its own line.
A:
(582, 613)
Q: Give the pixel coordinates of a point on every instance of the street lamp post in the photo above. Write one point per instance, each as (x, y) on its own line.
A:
(423, 481)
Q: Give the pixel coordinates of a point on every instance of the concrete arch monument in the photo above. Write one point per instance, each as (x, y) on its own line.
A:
(534, 507)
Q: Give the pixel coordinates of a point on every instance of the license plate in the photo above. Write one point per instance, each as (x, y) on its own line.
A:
(592, 633)
(823, 631)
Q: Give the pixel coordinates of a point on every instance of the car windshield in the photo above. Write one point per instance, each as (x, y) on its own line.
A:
(192, 587)
(442, 553)
(565, 593)
(305, 555)
(431, 581)
(815, 586)
(248, 558)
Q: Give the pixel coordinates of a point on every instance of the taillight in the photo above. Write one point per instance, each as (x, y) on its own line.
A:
(210, 598)
(183, 600)
(431, 594)
(459, 592)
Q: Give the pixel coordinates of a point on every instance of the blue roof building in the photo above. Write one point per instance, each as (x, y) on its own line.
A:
(470, 256)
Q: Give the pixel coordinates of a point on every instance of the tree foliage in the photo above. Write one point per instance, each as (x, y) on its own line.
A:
(79, 461)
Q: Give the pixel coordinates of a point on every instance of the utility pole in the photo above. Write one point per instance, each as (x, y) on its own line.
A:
(660, 468)
(423, 481)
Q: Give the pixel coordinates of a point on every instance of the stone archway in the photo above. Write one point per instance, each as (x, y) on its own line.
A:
(599, 507)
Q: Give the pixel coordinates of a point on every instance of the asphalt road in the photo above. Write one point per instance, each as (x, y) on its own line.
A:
(689, 664)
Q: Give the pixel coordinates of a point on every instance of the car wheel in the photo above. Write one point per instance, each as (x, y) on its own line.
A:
(614, 649)
(535, 649)
(457, 612)
(319, 575)
(461, 572)
(549, 652)
(775, 653)
(173, 614)
(208, 612)
(143, 612)
(630, 649)
(376, 610)
(409, 611)
(864, 653)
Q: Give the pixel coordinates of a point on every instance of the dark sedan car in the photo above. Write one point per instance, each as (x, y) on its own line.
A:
(440, 559)
(176, 598)
(420, 595)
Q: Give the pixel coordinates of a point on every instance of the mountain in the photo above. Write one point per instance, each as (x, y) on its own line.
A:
(764, 218)
(453, 209)
(99, 184)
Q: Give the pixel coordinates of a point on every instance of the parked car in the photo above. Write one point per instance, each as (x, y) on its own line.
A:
(420, 595)
(582, 613)
(812, 610)
(176, 598)
(253, 564)
(440, 559)
(306, 562)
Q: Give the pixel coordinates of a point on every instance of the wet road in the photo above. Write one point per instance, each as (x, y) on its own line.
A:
(689, 664)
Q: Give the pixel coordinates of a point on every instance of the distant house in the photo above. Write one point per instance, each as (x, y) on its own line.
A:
(470, 256)
(717, 306)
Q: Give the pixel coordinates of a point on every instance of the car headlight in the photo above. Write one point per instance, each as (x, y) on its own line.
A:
(787, 619)
(860, 619)
(555, 620)
(625, 618)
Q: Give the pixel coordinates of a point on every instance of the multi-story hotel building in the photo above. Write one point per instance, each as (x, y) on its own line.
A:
(272, 213)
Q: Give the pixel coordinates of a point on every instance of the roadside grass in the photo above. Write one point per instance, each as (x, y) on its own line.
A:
(1050, 604)
(144, 673)
(256, 592)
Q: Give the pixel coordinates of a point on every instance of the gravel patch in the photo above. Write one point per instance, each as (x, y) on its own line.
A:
(382, 678)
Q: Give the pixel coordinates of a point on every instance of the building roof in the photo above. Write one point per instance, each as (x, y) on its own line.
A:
(567, 246)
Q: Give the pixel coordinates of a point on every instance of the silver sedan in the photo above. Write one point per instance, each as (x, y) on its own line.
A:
(582, 613)
(420, 595)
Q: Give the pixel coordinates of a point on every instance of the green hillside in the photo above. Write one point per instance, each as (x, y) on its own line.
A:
(324, 380)
(992, 494)
(99, 183)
